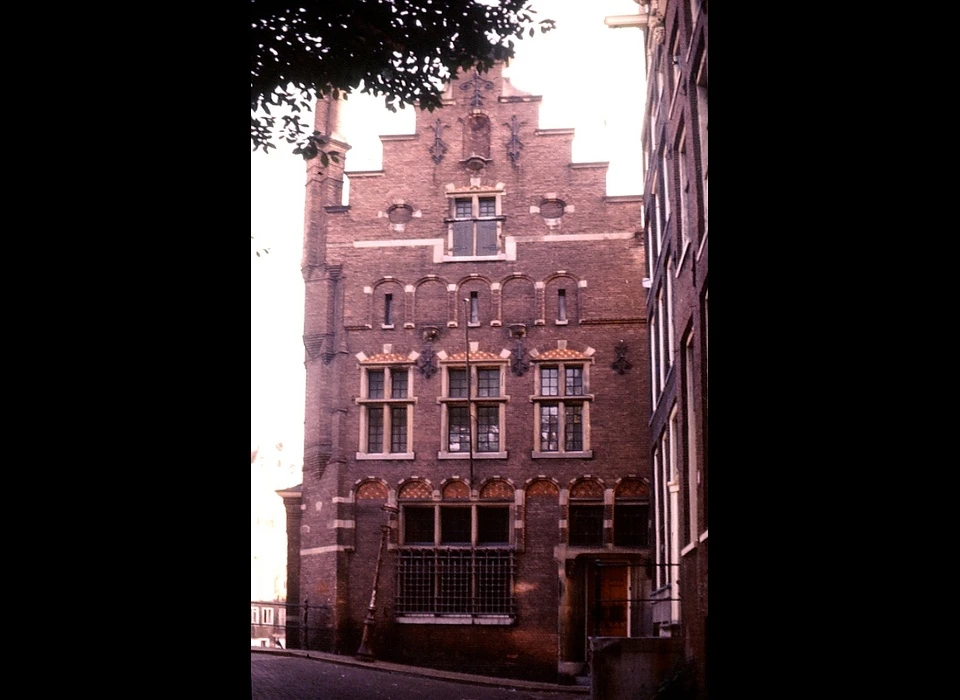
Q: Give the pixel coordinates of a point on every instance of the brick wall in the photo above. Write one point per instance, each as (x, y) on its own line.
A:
(595, 255)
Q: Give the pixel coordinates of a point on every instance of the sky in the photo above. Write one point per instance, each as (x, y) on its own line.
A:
(591, 78)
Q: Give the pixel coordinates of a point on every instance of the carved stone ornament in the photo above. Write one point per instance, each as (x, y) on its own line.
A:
(427, 362)
(621, 364)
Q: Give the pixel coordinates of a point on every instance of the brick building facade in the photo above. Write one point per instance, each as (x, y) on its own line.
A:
(675, 224)
(513, 483)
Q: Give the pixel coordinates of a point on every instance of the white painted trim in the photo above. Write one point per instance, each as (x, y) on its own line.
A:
(386, 457)
(689, 548)
(585, 454)
(554, 237)
(325, 550)
(430, 619)
(703, 536)
(476, 455)
(342, 525)
(398, 242)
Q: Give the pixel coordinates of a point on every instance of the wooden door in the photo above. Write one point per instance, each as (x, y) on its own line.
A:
(613, 601)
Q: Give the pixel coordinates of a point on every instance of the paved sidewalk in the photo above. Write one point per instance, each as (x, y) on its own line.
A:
(427, 672)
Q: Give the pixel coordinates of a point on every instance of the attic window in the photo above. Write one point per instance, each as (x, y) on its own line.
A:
(552, 208)
(400, 213)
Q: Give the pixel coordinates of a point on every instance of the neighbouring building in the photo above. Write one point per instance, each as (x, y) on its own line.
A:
(476, 445)
(270, 467)
(675, 225)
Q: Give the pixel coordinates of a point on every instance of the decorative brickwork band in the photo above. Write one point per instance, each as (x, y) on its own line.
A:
(455, 490)
(416, 490)
(497, 489)
(544, 488)
(372, 490)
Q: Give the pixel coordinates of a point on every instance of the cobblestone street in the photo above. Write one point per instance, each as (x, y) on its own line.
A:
(281, 677)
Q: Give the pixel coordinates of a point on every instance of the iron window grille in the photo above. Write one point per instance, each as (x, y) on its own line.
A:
(455, 582)
(456, 560)
(586, 525)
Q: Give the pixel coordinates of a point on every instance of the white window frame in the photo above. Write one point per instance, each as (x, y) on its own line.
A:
(475, 197)
(268, 616)
(254, 614)
(673, 488)
(680, 158)
(654, 370)
(668, 301)
(474, 401)
(539, 399)
(703, 128)
(385, 404)
(690, 419)
(661, 339)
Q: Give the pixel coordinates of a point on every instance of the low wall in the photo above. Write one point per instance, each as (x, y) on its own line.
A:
(630, 667)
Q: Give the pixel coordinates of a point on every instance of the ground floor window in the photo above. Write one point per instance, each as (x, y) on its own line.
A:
(455, 581)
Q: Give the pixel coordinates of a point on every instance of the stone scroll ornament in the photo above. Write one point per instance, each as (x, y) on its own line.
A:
(621, 364)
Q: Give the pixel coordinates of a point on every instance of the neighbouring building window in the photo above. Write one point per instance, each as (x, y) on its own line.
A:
(684, 191)
(691, 472)
(386, 408)
(486, 412)
(562, 410)
(455, 558)
(474, 226)
(254, 615)
(561, 304)
(666, 518)
(388, 309)
(268, 616)
(703, 131)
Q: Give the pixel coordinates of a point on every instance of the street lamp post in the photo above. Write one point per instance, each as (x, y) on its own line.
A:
(466, 335)
(364, 652)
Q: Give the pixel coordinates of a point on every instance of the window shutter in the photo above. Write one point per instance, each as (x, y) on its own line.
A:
(486, 238)
(463, 238)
